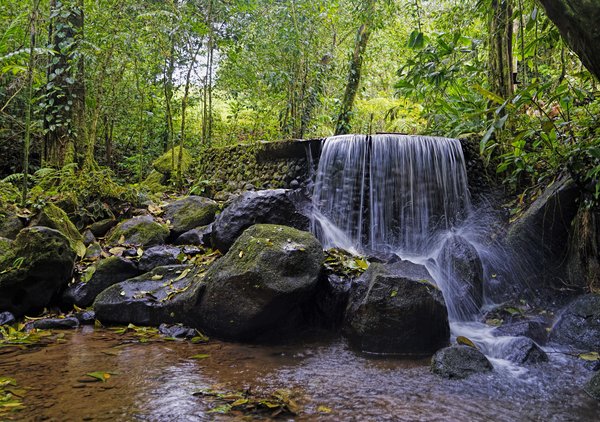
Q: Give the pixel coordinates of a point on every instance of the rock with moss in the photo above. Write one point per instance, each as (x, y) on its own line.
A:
(93, 251)
(164, 163)
(159, 256)
(462, 272)
(200, 236)
(263, 286)
(592, 387)
(10, 224)
(459, 362)
(277, 206)
(190, 212)
(55, 218)
(142, 230)
(155, 182)
(5, 246)
(393, 313)
(164, 295)
(98, 277)
(100, 228)
(40, 264)
(579, 324)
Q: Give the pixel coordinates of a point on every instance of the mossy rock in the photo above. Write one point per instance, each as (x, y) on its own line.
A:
(592, 387)
(10, 224)
(164, 163)
(191, 212)
(55, 218)
(459, 362)
(5, 251)
(141, 230)
(155, 182)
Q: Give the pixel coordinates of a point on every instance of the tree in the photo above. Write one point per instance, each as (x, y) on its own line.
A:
(500, 73)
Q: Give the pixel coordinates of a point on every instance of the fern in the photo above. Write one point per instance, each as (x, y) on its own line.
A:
(13, 178)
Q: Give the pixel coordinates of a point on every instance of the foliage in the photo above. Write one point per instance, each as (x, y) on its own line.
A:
(342, 263)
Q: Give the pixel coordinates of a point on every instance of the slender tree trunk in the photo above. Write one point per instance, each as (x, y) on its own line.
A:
(28, 106)
(141, 131)
(169, 69)
(344, 122)
(500, 59)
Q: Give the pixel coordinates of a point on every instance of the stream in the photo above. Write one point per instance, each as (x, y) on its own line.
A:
(157, 379)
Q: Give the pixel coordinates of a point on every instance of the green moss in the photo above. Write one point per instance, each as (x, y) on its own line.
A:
(190, 216)
(155, 182)
(163, 163)
(55, 218)
(140, 230)
(6, 255)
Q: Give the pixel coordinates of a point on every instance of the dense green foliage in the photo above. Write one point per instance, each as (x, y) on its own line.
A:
(270, 69)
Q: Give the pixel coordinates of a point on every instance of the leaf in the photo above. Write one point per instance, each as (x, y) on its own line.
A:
(80, 249)
(241, 254)
(199, 356)
(239, 402)
(394, 293)
(123, 293)
(112, 352)
(594, 152)
(221, 409)
(589, 356)
(323, 409)
(116, 250)
(512, 311)
(183, 274)
(157, 276)
(99, 375)
(121, 239)
(465, 341)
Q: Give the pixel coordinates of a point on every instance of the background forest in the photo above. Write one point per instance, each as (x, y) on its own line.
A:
(107, 86)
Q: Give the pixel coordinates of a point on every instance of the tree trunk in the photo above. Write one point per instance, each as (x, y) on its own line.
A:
(500, 60)
(28, 106)
(344, 122)
(577, 22)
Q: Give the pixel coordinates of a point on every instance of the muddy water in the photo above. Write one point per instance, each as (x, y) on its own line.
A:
(157, 379)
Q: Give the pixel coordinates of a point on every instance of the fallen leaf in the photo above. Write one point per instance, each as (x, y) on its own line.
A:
(199, 356)
(394, 293)
(241, 254)
(239, 402)
(80, 249)
(465, 341)
(323, 409)
(112, 352)
(157, 276)
(590, 356)
(121, 239)
(183, 274)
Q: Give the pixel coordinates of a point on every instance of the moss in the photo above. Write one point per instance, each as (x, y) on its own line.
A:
(6, 255)
(163, 163)
(190, 216)
(10, 224)
(140, 230)
(55, 218)
(155, 182)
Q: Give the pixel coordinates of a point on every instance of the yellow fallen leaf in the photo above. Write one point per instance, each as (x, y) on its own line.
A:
(239, 402)
(323, 409)
(465, 341)
(157, 276)
(241, 254)
(590, 356)
(183, 274)
(121, 239)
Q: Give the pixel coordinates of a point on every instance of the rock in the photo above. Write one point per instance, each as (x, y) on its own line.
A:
(459, 362)
(540, 237)
(579, 324)
(155, 182)
(141, 230)
(462, 276)
(6, 318)
(5, 247)
(200, 236)
(158, 256)
(261, 207)
(99, 277)
(164, 163)
(149, 298)
(85, 317)
(10, 224)
(331, 300)
(55, 218)
(46, 268)
(56, 323)
(592, 387)
(261, 288)
(176, 331)
(395, 314)
(100, 228)
(524, 351)
(88, 238)
(93, 251)
(188, 213)
(535, 330)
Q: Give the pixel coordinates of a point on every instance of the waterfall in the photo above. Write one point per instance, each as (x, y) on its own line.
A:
(392, 193)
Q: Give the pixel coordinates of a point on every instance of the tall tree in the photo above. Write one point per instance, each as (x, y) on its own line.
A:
(500, 73)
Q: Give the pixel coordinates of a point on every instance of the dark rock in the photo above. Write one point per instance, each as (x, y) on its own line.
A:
(524, 351)
(263, 285)
(592, 365)
(188, 213)
(93, 251)
(395, 314)
(462, 274)
(46, 268)
(55, 218)
(199, 236)
(592, 387)
(56, 323)
(100, 228)
(98, 277)
(158, 256)
(331, 300)
(294, 184)
(278, 206)
(459, 362)
(579, 324)
(6, 318)
(142, 230)
(176, 331)
(88, 238)
(535, 330)
(85, 317)
(10, 225)
(149, 298)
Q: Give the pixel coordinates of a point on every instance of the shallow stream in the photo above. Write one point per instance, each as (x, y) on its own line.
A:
(157, 380)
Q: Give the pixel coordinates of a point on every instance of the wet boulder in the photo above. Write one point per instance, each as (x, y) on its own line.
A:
(164, 295)
(200, 236)
(391, 313)
(56, 323)
(524, 351)
(100, 228)
(331, 300)
(592, 387)
(459, 362)
(88, 238)
(158, 256)
(579, 324)
(6, 318)
(93, 251)
(462, 272)
(10, 224)
(263, 285)
(176, 331)
(535, 330)
(273, 206)
(190, 212)
(142, 230)
(99, 277)
(38, 266)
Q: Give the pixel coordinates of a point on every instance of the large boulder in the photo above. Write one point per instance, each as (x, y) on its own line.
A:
(55, 218)
(263, 285)
(39, 265)
(100, 228)
(10, 224)
(190, 212)
(277, 206)
(390, 313)
(462, 277)
(142, 230)
(200, 236)
(164, 295)
(579, 324)
(158, 256)
(164, 164)
(459, 362)
(99, 277)
(524, 351)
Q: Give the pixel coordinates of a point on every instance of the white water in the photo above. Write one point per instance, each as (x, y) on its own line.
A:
(407, 195)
